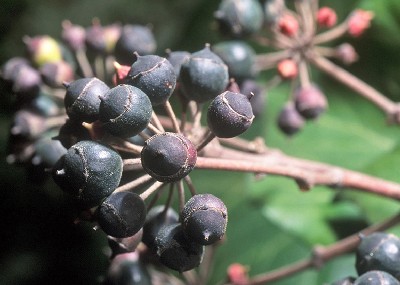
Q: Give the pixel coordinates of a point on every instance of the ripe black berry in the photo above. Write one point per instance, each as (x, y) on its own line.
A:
(127, 269)
(134, 38)
(204, 219)
(289, 120)
(379, 251)
(238, 56)
(203, 76)
(168, 157)
(344, 281)
(176, 251)
(72, 132)
(156, 218)
(239, 18)
(124, 245)
(229, 114)
(177, 58)
(82, 100)
(125, 110)
(122, 214)
(89, 171)
(376, 278)
(155, 76)
(310, 102)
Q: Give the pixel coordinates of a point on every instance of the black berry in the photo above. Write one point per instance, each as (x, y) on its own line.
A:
(155, 76)
(376, 278)
(203, 76)
(122, 214)
(82, 99)
(89, 172)
(229, 114)
(168, 157)
(204, 219)
(156, 218)
(125, 110)
(134, 38)
(379, 251)
(289, 120)
(176, 251)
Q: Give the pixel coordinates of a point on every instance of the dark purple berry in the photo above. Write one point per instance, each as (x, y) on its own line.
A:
(203, 76)
(11, 67)
(122, 214)
(73, 35)
(72, 132)
(27, 124)
(168, 157)
(26, 82)
(238, 56)
(95, 37)
(176, 251)
(258, 101)
(155, 76)
(379, 251)
(127, 269)
(89, 172)
(134, 38)
(156, 218)
(310, 102)
(229, 114)
(125, 110)
(376, 278)
(204, 219)
(177, 58)
(239, 18)
(82, 99)
(289, 120)
(54, 74)
(48, 152)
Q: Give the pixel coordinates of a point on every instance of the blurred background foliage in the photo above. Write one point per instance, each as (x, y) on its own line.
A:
(271, 222)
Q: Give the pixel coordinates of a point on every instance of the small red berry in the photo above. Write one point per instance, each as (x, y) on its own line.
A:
(287, 68)
(326, 17)
(359, 21)
(288, 25)
(237, 274)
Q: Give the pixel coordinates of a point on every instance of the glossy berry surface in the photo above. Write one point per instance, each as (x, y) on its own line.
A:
(125, 110)
(176, 251)
(376, 278)
(155, 76)
(89, 172)
(239, 18)
(204, 219)
(229, 114)
(203, 76)
(82, 99)
(238, 56)
(379, 251)
(344, 281)
(168, 157)
(156, 218)
(122, 214)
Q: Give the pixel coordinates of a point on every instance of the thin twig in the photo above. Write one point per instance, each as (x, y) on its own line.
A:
(133, 184)
(156, 185)
(322, 254)
(83, 63)
(168, 108)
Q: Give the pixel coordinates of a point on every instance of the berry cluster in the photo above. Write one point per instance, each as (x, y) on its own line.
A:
(377, 260)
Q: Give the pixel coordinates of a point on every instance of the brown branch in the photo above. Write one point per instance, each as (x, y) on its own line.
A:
(389, 107)
(322, 254)
(306, 173)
